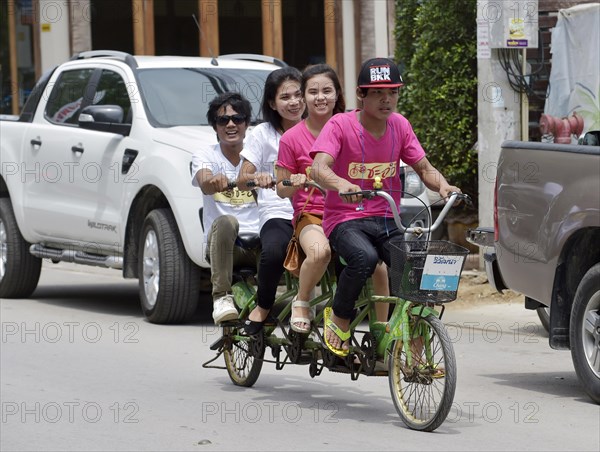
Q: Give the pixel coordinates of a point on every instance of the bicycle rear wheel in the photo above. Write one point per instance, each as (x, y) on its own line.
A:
(242, 362)
(424, 391)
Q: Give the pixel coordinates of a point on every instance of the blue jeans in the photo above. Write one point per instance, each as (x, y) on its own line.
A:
(362, 244)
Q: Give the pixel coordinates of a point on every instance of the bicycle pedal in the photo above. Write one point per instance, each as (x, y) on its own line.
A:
(218, 343)
(340, 369)
(305, 359)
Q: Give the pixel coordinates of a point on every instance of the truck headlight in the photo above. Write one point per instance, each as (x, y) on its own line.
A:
(413, 185)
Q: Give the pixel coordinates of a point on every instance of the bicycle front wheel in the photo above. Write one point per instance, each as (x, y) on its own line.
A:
(423, 389)
(243, 363)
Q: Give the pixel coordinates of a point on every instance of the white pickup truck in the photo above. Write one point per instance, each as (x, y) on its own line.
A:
(96, 171)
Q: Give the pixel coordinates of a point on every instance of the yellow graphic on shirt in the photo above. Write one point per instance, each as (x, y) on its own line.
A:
(234, 197)
(359, 170)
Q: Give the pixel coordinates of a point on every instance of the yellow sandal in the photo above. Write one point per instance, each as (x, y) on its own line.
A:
(343, 335)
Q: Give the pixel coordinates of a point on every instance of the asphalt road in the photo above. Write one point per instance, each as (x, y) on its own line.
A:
(80, 369)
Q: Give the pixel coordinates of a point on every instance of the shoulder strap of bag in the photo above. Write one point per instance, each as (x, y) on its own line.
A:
(306, 202)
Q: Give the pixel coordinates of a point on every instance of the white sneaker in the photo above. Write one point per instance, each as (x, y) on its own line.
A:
(224, 309)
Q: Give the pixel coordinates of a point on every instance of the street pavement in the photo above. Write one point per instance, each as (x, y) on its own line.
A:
(80, 369)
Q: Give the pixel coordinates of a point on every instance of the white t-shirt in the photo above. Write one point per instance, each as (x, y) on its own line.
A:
(238, 203)
(260, 149)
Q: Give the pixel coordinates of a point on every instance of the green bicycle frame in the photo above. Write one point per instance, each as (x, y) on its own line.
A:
(245, 295)
(397, 327)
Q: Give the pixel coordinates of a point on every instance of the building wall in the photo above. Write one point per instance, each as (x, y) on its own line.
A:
(81, 26)
(363, 29)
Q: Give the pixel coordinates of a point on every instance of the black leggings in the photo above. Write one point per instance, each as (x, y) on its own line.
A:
(274, 238)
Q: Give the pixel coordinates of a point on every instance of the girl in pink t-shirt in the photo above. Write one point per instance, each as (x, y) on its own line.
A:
(323, 97)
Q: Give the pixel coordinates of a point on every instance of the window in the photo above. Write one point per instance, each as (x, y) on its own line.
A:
(68, 93)
(180, 96)
(112, 90)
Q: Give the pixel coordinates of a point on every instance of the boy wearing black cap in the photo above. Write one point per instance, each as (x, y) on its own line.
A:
(352, 149)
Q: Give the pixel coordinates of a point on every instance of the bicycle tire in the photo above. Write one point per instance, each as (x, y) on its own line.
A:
(423, 398)
(242, 367)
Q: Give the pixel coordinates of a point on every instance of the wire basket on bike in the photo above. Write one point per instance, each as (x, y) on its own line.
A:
(426, 271)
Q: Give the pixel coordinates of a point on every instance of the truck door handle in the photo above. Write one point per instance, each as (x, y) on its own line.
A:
(77, 148)
(36, 142)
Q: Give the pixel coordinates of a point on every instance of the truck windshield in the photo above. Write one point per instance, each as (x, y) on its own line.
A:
(180, 96)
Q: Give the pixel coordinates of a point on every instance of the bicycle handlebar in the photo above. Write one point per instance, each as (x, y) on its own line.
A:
(369, 194)
(308, 183)
(233, 184)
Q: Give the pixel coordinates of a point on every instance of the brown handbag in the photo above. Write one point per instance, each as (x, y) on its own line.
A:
(295, 254)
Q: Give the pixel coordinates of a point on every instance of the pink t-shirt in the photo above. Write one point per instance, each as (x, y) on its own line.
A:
(359, 157)
(294, 148)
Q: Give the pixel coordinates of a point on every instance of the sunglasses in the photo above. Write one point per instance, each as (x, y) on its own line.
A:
(237, 119)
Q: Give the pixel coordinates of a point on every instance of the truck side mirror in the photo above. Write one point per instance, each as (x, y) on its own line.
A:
(591, 138)
(104, 118)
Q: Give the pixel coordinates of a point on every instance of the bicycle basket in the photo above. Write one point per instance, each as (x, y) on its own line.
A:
(424, 271)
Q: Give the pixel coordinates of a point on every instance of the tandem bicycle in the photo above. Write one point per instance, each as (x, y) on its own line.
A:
(412, 348)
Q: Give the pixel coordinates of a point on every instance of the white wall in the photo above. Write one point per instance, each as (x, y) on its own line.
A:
(381, 29)
(374, 42)
(54, 33)
(348, 32)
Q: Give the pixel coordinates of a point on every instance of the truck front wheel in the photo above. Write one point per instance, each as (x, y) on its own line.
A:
(585, 332)
(19, 269)
(169, 280)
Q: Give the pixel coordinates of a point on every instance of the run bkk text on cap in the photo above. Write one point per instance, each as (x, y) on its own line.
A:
(379, 73)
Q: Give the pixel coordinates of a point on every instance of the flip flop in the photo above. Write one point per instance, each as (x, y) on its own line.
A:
(343, 335)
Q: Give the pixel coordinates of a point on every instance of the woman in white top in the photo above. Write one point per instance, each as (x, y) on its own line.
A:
(282, 108)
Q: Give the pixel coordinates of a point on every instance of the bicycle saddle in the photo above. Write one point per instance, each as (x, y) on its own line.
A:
(248, 241)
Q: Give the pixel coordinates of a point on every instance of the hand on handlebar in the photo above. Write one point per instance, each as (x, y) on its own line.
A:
(446, 191)
(298, 181)
(264, 180)
(308, 184)
(350, 193)
(219, 183)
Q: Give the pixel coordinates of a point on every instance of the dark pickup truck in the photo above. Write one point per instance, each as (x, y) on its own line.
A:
(545, 242)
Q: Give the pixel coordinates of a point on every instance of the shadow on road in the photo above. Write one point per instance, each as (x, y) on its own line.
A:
(326, 402)
(120, 299)
(559, 384)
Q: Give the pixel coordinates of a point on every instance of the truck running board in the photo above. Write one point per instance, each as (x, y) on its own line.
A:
(77, 257)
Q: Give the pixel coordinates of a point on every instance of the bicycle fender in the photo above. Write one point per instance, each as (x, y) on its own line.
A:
(424, 311)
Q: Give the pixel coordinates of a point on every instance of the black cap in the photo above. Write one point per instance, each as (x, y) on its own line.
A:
(379, 73)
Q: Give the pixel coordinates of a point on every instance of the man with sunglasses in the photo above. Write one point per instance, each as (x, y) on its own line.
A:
(228, 212)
